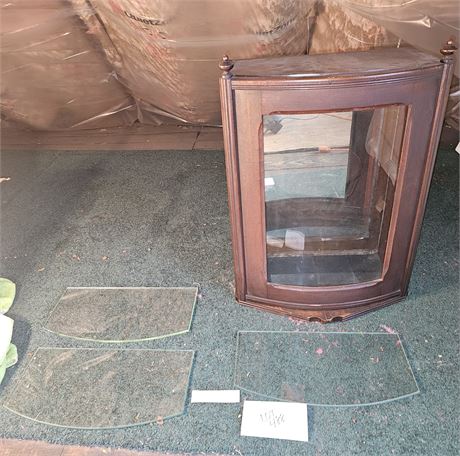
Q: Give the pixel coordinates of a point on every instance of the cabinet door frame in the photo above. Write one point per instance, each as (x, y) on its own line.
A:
(251, 100)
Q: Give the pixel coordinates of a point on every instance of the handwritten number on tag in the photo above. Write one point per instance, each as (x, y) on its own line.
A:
(272, 419)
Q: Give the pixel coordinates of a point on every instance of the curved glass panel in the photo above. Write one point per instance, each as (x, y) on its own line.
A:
(94, 388)
(123, 314)
(341, 369)
(330, 180)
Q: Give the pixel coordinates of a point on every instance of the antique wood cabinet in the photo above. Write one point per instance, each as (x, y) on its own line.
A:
(329, 160)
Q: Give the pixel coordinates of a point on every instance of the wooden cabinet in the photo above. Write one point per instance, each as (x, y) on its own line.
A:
(329, 160)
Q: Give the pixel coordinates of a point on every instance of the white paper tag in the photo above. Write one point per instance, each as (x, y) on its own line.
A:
(269, 181)
(216, 396)
(275, 420)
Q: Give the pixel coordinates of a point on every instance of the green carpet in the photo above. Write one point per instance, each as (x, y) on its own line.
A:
(161, 220)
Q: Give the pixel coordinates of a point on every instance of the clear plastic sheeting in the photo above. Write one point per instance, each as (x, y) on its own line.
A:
(53, 72)
(329, 369)
(424, 24)
(94, 389)
(338, 28)
(170, 50)
(85, 64)
(346, 25)
(123, 314)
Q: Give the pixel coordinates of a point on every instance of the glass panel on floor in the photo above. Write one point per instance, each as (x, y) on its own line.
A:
(330, 180)
(341, 369)
(97, 388)
(123, 314)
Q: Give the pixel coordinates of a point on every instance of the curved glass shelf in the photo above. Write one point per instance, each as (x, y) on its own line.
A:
(325, 369)
(101, 388)
(114, 315)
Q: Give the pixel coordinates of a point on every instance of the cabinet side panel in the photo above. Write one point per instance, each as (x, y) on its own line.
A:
(429, 167)
(233, 185)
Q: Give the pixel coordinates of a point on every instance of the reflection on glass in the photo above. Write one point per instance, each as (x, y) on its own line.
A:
(329, 188)
(95, 388)
(340, 369)
(123, 314)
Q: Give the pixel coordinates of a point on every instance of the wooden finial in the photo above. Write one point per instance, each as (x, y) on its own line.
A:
(448, 52)
(226, 66)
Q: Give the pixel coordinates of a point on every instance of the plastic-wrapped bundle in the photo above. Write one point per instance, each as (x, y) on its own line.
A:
(63, 62)
(339, 29)
(346, 25)
(169, 50)
(424, 24)
(53, 74)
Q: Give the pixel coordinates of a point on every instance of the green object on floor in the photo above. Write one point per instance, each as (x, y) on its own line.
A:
(12, 356)
(8, 351)
(7, 293)
(11, 359)
(6, 332)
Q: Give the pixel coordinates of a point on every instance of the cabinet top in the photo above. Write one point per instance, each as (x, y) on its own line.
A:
(377, 61)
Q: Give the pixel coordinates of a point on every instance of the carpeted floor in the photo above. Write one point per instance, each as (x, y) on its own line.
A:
(161, 218)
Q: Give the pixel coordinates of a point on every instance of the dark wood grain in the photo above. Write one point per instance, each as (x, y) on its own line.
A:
(379, 61)
(357, 82)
